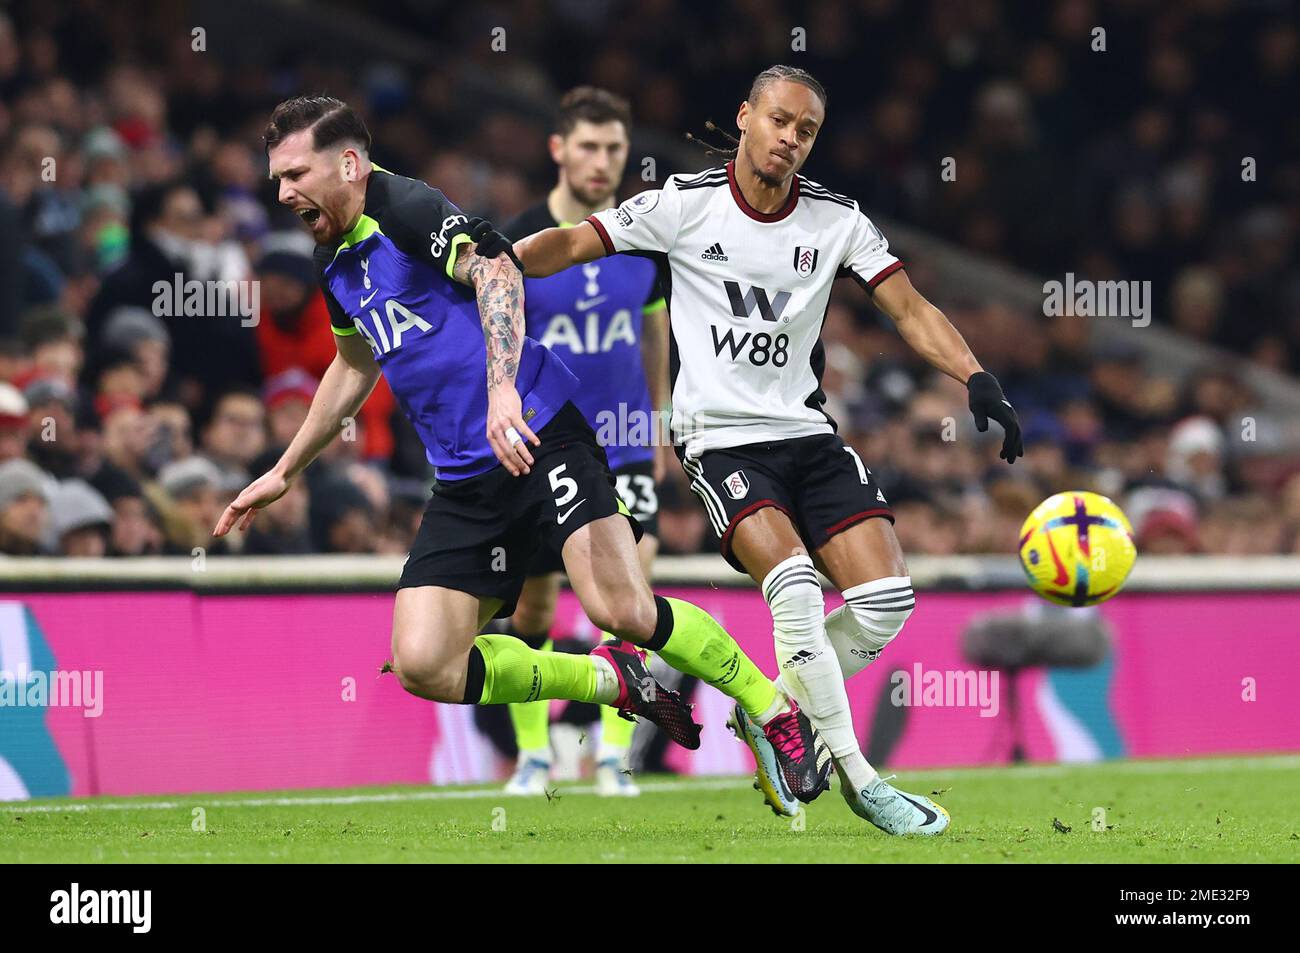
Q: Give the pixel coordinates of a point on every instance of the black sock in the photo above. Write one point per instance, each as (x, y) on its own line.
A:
(663, 625)
(475, 676)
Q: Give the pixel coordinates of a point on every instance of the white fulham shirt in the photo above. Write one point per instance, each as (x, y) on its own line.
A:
(747, 295)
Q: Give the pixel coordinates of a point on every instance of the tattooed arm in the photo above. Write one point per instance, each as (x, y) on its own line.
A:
(500, 290)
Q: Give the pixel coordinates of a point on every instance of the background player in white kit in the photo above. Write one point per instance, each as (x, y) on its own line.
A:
(752, 250)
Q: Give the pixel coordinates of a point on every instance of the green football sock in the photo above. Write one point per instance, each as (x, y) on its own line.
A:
(532, 720)
(615, 732)
(503, 669)
(691, 641)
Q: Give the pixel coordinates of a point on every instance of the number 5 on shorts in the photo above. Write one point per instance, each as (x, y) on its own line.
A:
(567, 484)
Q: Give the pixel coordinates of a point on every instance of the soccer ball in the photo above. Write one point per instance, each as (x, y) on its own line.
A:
(1077, 548)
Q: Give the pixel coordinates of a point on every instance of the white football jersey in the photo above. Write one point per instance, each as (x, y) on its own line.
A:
(747, 296)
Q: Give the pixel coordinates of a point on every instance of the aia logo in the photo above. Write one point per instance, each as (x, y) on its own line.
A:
(736, 485)
(805, 260)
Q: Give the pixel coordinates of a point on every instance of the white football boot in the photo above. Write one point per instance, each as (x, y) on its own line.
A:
(894, 811)
(531, 775)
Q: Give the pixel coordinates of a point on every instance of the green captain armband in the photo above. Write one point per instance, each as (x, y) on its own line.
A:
(454, 251)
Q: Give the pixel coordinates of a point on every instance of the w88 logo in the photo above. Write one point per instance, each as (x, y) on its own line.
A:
(763, 348)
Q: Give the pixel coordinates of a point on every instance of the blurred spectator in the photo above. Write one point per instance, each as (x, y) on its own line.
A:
(128, 439)
(24, 508)
(294, 332)
(13, 423)
(287, 397)
(137, 332)
(80, 520)
(137, 528)
(194, 488)
(234, 436)
(52, 432)
(130, 169)
(342, 517)
(1195, 458)
(53, 340)
(284, 527)
(169, 253)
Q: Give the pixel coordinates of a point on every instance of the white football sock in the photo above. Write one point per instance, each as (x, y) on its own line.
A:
(871, 617)
(810, 672)
(606, 681)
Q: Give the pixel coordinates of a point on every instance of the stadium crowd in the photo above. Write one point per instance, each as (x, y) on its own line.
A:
(128, 157)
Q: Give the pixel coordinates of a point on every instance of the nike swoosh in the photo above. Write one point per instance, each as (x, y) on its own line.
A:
(1062, 577)
(930, 816)
(590, 303)
(559, 520)
(366, 300)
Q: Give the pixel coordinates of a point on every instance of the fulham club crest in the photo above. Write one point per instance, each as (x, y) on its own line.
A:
(805, 260)
(737, 485)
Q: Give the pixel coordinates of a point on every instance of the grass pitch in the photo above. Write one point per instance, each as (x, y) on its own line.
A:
(1201, 811)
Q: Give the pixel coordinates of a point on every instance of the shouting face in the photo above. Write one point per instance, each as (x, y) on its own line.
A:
(324, 187)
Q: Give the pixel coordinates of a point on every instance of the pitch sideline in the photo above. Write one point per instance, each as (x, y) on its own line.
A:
(1190, 766)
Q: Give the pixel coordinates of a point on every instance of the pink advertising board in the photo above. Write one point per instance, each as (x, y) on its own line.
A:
(230, 692)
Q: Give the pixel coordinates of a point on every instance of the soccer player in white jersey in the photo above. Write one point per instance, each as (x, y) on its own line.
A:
(752, 250)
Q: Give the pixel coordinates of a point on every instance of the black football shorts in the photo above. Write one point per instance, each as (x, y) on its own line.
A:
(635, 484)
(818, 481)
(481, 534)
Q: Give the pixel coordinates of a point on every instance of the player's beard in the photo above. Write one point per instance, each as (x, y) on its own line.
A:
(332, 225)
(594, 197)
(333, 206)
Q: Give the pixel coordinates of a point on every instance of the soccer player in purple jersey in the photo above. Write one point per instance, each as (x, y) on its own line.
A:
(517, 465)
(607, 322)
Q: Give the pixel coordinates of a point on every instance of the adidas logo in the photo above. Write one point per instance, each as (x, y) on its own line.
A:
(714, 253)
(802, 657)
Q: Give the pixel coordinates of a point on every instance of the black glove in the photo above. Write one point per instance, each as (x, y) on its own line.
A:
(987, 400)
(490, 242)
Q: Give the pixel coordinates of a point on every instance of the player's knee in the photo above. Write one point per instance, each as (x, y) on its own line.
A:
(794, 595)
(427, 673)
(880, 609)
(632, 619)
